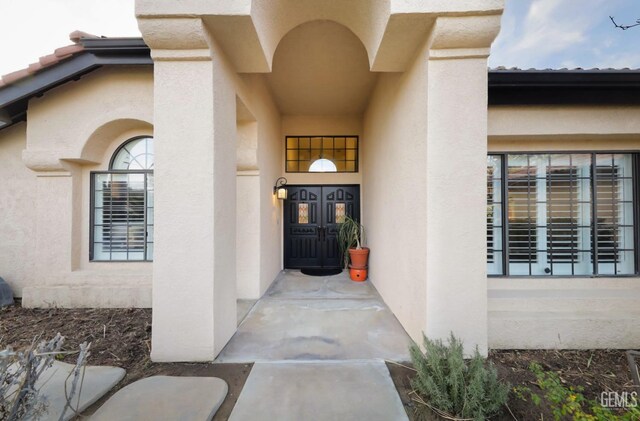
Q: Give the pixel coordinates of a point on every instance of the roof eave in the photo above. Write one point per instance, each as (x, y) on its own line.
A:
(97, 52)
(564, 87)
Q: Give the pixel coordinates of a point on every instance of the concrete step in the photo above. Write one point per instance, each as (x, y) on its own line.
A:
(293, 391)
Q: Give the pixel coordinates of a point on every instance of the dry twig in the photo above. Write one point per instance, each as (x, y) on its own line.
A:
(624, 27)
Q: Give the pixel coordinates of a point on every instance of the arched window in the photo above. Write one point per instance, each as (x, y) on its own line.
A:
(322, 165)
(122, 205)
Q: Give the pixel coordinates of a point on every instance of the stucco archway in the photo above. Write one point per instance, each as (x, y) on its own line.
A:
(98, 142)
(321, 68)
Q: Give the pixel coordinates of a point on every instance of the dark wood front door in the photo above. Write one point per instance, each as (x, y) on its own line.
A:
(311, 218)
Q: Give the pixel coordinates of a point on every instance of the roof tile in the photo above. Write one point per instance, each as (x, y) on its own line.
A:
(76, 36)
(58, 55)
(48, 60)
(69, 49)
(15, 76)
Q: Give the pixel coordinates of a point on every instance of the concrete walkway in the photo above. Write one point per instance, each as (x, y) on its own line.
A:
(319, 345)
(307, 318)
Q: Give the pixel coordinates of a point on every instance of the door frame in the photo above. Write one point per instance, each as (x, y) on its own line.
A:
(284, 222)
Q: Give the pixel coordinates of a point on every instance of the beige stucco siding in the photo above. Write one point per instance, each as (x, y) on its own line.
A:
(563, 127)
(73, 130)
(17, 213)
(394, 154)
(263, 209)
(76, 119)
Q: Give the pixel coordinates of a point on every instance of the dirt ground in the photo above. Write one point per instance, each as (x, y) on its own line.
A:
(122, 338)
(119, 337)
(596, 371)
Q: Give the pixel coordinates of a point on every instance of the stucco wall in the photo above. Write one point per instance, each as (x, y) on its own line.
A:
(577, 312)
(267, 261)
(73, 130)
(17, 214)
(196, 260)
(394, 183)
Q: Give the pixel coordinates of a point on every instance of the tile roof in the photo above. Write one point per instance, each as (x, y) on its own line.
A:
(86, 54)
(56, 57)
(564, 69)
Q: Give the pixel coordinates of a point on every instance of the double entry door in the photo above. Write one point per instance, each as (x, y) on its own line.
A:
(311, 218)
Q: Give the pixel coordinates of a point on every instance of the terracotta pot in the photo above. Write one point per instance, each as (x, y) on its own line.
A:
(358, 275)
(359, 257)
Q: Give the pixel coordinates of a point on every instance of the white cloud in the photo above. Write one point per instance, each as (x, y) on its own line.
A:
(30, 29)
(548, 28)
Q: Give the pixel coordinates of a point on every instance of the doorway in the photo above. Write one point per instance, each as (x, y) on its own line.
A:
(311, 218)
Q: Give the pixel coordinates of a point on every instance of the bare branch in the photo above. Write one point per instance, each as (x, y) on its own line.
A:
(624, 27)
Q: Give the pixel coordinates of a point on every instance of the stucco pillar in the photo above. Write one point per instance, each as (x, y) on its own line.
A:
(456, 293)
(247, 205)
(194, 282)
(58, 205)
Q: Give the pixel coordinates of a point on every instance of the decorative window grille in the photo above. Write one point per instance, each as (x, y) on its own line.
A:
(321, 154)
(565, 214)
(562, 214)
(523, 218)
(494, 214)
(122, 205)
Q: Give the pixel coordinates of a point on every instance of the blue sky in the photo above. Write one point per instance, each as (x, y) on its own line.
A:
(535, 33)
(567, 33)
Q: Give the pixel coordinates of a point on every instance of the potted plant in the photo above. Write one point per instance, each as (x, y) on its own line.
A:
(351, 239)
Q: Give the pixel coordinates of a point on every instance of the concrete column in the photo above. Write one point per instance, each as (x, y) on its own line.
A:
(194, 281)
(456, 293)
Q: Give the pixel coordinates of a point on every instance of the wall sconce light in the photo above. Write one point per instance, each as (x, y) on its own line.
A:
(280, 189)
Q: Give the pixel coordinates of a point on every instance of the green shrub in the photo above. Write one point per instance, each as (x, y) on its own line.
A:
(569, 402)
(452, 385)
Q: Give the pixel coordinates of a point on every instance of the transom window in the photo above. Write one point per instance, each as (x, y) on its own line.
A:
(321, 154)
(122, 205)
(561, 214)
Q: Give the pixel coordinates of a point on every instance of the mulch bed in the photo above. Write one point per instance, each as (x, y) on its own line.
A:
(119, 337)
(122, 338)
(597, 371)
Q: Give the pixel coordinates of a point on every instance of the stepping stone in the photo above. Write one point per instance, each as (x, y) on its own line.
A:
(165, 398)
(319, 391)
(98, 380)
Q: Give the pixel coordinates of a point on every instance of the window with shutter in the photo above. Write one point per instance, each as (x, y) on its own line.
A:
(552, 201)
(614, 230)
(122, 205)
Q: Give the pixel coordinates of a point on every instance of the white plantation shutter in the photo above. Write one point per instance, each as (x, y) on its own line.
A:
(522, 211)
(563, 214)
